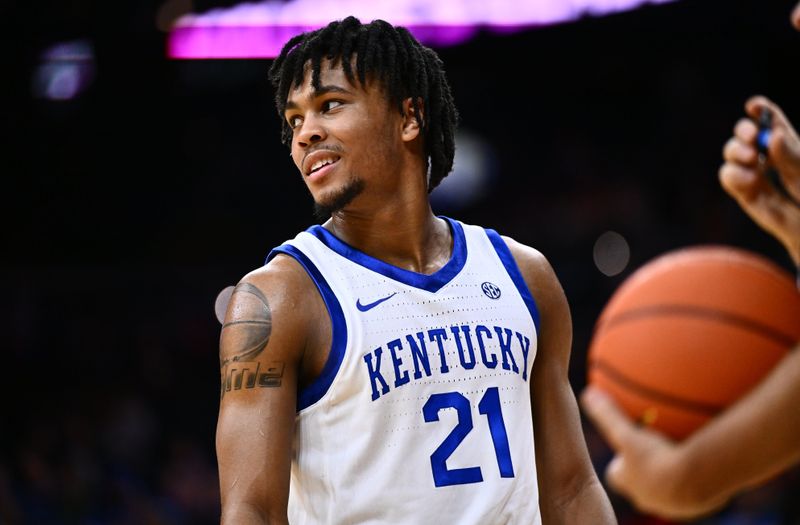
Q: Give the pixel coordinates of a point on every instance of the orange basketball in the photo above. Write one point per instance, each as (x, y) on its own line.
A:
(690, 332)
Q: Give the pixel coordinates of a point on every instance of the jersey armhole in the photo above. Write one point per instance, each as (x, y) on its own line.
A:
(317, 388)
(516, 276)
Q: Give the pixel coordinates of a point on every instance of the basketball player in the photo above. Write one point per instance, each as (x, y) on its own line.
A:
(393, 366)
(758, 437)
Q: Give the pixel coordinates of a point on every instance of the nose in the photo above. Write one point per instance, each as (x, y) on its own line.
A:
(311, 131)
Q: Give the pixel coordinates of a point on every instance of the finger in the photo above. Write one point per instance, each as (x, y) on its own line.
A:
(609, 419)
(755, 105)
(738, 181)
(752, 189)
(768, 207)
(784, 145)
(740, 152)
(615, 475)
(784, 152)
(746, 131)
(796, 16)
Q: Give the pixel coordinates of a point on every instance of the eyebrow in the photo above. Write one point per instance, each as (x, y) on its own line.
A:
(323, 90)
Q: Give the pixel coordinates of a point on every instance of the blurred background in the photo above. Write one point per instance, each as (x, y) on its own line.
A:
(139, 186)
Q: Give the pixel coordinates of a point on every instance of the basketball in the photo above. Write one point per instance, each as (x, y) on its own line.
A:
(691, 331)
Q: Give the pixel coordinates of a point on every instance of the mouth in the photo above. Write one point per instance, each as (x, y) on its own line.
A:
(319, 160)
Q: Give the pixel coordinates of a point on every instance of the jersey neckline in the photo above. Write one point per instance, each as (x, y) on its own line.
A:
(432, 283)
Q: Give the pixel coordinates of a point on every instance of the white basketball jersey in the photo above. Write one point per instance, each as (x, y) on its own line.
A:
(422, 414)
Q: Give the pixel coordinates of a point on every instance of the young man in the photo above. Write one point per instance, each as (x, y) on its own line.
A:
(758, 437)
(391, 366)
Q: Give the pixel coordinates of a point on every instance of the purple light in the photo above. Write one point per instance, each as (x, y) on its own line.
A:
(259, 30)
(267, 41)
(65, 70)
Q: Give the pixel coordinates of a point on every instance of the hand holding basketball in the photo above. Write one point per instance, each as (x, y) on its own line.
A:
(684, 337)
(647, 468)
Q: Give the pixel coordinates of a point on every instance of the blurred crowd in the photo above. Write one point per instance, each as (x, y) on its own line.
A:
(109, 418)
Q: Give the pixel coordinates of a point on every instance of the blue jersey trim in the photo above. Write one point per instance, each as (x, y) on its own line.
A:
(513, 271)
(432, 283)
(314, 392)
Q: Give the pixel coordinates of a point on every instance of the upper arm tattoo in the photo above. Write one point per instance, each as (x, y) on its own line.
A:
(247, 334)
(242, 340)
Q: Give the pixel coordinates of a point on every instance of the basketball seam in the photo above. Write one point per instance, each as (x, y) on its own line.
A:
(619, 377)
(698, 311)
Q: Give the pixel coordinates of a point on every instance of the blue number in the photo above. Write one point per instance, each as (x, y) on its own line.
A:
(443, 476)
(489, 406)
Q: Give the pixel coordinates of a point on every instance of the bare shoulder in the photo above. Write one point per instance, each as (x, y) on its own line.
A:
(282, 282)
(547, 292)
(534, 266)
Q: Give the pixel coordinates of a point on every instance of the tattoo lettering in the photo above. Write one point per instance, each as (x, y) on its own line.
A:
(246, 335)
(250, 374)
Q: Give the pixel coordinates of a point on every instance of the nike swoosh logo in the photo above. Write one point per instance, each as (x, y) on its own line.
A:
(370, 306)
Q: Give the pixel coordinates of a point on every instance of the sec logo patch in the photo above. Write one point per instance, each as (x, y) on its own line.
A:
(491, 290)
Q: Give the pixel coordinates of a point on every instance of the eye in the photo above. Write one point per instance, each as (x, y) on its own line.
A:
(293, 121)
(330, 104)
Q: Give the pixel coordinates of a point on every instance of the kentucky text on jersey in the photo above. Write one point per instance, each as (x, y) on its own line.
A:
(421, 354)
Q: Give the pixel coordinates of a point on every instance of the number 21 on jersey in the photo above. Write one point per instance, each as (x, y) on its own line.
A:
(488, 406)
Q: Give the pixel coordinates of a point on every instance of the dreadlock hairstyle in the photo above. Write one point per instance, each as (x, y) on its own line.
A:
(392, 56)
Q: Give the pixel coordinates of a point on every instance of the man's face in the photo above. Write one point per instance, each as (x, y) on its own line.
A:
(344, 136)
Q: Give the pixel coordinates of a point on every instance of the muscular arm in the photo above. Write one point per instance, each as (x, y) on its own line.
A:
(766, 424)
(754, 440)
(262, 344)
(569, 489)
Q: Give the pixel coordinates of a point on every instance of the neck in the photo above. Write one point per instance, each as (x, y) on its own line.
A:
(402, 232)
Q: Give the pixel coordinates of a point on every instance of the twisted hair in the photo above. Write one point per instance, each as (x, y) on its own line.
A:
(384, 53)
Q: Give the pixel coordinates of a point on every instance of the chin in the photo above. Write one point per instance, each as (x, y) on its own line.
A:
(338, 198)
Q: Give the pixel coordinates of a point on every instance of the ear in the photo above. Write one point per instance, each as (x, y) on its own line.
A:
(412, 123)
